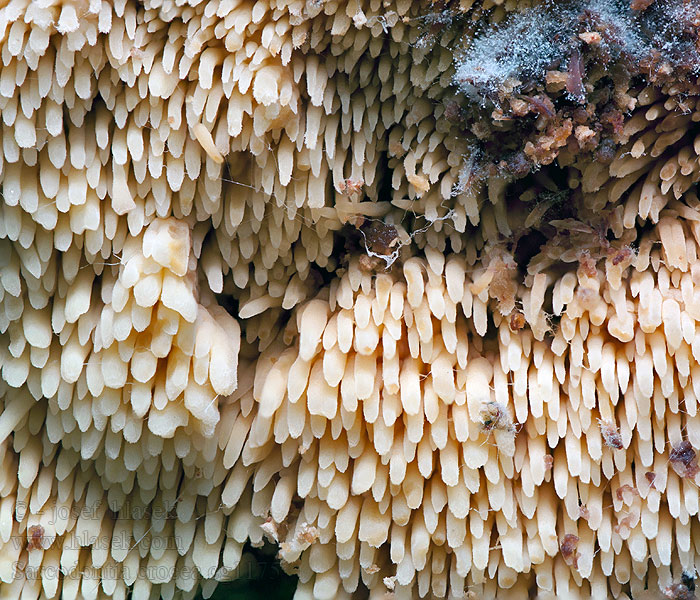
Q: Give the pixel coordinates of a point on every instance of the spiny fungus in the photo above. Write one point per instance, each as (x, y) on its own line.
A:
(409, 290)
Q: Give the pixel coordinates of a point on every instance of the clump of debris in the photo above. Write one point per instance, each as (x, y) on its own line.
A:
(685, 590)
(562, 75)
(684, 460)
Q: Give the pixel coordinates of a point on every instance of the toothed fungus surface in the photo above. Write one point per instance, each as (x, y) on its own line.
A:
(406, 290)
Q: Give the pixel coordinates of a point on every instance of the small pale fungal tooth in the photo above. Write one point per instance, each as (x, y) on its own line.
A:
(407, 289)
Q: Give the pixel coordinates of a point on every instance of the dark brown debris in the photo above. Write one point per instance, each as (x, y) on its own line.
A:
(381, 238)
(36, 535)
(681, 591)
(568, 547)
(684, 459)
(641, 5)
(574, 80)
(517, 320)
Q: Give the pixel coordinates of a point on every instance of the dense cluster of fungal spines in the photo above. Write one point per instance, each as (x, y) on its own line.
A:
(299, 272)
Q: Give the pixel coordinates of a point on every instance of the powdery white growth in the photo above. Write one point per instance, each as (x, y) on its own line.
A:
(507, 56)
(523, 47)
(669, 25)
